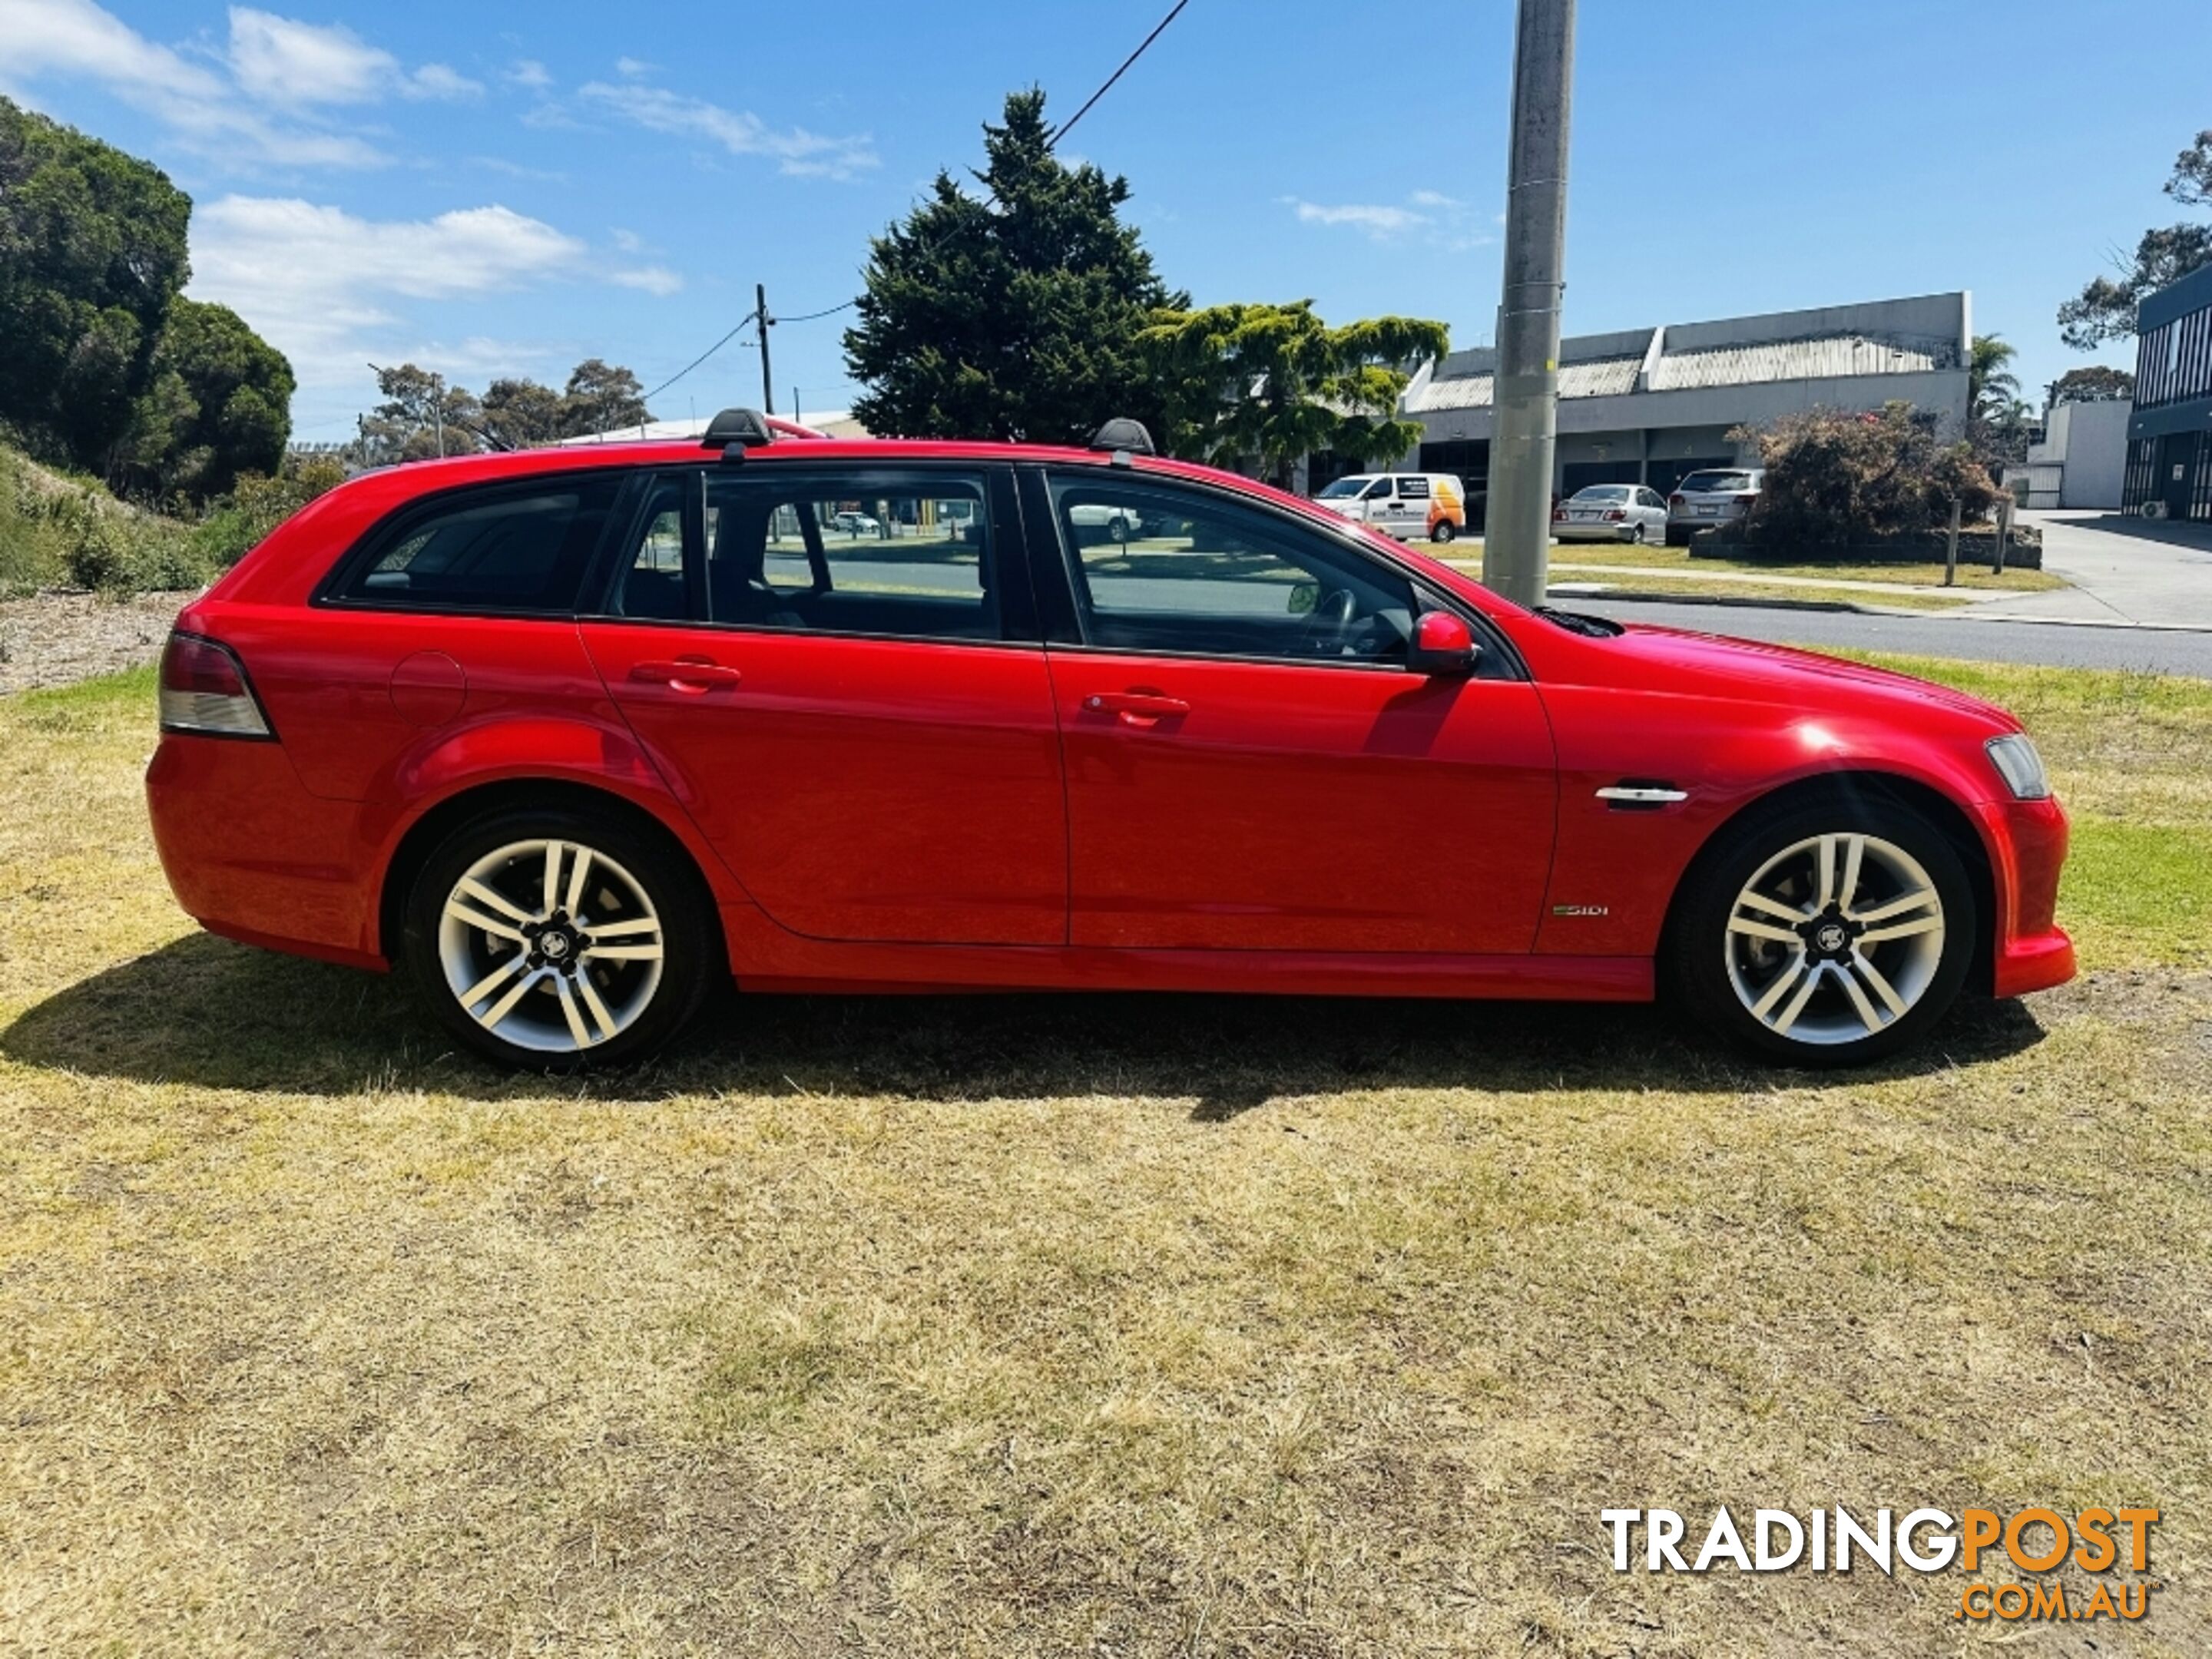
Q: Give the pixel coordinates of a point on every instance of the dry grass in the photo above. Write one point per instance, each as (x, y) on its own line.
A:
(1058, 1326)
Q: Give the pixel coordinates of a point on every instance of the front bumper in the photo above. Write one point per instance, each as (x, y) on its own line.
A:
(2027, 842)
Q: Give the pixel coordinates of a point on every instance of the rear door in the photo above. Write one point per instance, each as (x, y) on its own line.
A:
(1251, 766)
(839, 669)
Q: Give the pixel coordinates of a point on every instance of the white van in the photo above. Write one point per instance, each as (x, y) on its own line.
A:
(1401, 504)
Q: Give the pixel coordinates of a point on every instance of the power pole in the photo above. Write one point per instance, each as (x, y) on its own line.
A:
(438, 411)
(761, 320)
(1517, 541)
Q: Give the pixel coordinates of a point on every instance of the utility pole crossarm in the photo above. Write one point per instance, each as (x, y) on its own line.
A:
(1517, 546)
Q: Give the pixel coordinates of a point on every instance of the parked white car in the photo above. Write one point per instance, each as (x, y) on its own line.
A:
(1116, 523)
(1611, 512)
(856, 524)
(1704, 499)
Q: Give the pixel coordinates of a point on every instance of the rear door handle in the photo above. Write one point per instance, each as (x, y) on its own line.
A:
(1136, 708)
(696, 675)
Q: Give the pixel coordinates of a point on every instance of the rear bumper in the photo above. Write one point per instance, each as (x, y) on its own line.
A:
(2027, 841)
(252, 855)
(1592, 532)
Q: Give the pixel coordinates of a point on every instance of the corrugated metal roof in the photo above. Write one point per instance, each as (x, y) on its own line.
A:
(1608, 377)
(1829, 357)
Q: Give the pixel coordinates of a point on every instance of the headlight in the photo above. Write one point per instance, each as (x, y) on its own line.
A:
(2020, 767)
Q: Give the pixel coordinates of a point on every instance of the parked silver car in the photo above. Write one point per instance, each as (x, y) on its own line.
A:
(1703, 500)
(1611, 512)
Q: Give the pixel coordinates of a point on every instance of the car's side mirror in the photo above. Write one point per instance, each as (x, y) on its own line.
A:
(1443, 645)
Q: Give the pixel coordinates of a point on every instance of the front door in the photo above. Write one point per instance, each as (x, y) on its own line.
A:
(2177, 471)
(841, 690)
(1249, 763)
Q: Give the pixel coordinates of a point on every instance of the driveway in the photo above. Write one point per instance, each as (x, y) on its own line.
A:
(2145, 571)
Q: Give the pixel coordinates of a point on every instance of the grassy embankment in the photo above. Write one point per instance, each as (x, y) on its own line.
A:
(1075, 1326)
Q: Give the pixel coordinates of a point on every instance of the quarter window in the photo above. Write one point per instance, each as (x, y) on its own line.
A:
(505, 549)
(1412, 490)
(1161, 569)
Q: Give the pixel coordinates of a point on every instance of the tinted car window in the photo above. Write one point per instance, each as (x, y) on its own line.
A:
(1414, 489)
(1190, 573)
(880, 552)
(651, 579)
(1714, 483)
(516, 549)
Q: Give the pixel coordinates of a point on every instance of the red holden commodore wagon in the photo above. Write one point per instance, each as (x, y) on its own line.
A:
(571, 733)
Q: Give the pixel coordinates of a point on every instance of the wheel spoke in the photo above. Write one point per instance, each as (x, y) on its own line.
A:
(461, 912)
(1901, 929)
(497, 903)
(1761, 930)
(1854, 854)
(569, 1011)
(590, 992)
(552, 878)
(1896, 907)
(1858, 996)
(1787, 1017)
(1882, 988)
(1783, 980)
(490, 1018)
(491, 982)
(622, 953)
(577, 878)
(1758, 901)
(623, 929)
(1826, 885)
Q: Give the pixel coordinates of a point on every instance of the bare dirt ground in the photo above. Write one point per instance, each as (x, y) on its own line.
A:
(56, 638)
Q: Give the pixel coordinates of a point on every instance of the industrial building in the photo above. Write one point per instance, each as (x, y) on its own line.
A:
(2080, 460)
(2169, 445)
(1648, 406)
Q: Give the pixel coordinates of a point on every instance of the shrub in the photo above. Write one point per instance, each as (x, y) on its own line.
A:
(237, 524)
(1833, 476)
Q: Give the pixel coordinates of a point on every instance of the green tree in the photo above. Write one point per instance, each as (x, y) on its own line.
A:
(2105, 309)
(2095, 384)
(1015, 316)
(522, 414)
(92, 253)
(219, 406)
(1991, 383)
(1272, 384)
(602, 398)
(420, 416)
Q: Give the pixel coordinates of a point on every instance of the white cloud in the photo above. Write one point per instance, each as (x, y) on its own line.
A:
(76, 39)
(440, 80)
(1377, 221)
(1433, 198)
(795, 150)
(288, 62)
(323, 285)
(632, 67)
(529, 72)
(657, 280)
(628, 241)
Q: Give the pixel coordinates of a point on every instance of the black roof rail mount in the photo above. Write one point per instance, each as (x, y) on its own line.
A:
(733, 431)
(1124, 437)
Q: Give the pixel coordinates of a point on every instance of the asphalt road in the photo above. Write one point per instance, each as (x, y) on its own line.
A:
(2166, 651)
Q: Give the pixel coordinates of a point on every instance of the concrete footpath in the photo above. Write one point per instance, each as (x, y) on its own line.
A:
(2126, 572)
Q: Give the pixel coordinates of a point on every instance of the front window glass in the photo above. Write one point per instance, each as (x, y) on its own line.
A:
(1379, 488)
(1161, 569)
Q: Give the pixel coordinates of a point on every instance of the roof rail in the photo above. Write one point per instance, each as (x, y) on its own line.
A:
(733, 431)
(1124, 437)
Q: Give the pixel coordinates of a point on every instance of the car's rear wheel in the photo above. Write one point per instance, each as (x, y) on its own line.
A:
(1825, 934)
(1443, 531)
(1636, 535)
(556, 939)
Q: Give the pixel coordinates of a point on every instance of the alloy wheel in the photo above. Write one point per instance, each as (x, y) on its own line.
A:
(551, 945)
(1834, 939)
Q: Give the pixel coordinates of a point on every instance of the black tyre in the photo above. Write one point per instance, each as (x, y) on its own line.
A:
(1443, 531)
(558, 939)
(1825, 934)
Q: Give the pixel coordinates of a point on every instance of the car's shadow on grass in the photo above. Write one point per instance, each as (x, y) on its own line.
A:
(206, 1013)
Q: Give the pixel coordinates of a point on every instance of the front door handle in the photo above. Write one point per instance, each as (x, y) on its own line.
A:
(1137, 708)
(695, 675)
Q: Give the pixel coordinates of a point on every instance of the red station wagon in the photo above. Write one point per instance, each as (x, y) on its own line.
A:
(570, 732)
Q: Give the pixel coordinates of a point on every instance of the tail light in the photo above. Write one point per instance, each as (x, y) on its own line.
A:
(1615, 516)
(1676, 500)
(1558, 514)
(1747, 500)
(204, 691)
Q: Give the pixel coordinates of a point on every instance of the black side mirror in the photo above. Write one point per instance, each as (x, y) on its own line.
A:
(1443, 647)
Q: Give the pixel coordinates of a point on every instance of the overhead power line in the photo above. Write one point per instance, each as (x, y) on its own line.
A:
(1051, 143)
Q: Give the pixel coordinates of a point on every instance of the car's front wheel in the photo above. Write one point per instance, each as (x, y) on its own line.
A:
(556, 939)
(1825, 934)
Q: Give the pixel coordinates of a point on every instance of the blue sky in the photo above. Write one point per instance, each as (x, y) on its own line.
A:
(499, 189)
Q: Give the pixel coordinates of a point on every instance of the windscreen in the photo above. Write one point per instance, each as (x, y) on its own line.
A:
(1343, 488)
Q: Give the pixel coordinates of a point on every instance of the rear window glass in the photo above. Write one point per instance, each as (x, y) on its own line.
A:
(505, 549)
(1708, 483)
(1604, 493)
